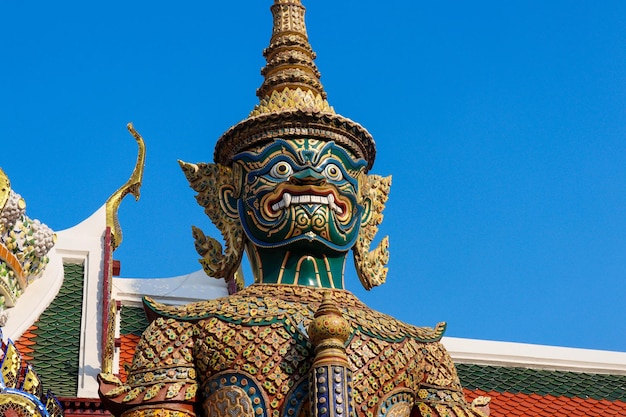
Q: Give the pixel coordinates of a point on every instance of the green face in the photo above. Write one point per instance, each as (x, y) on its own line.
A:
(300, 193)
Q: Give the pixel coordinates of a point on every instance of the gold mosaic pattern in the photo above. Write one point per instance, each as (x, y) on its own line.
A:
(258, 336)
(448, 410)
(16, 404)
(22, 392)
(232, 401)
(157, 412)
(292, 100)
(11, 365)
(260, 303)
(32, 384)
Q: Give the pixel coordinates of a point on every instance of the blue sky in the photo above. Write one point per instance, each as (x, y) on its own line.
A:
(502, 123)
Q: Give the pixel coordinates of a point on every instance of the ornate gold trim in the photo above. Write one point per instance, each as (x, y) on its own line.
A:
(371, 265)
(217, 187)
(109, 353)
(132, 186)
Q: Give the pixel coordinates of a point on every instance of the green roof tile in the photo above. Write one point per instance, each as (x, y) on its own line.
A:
(543, 382)
(56, 352)
(133, 320)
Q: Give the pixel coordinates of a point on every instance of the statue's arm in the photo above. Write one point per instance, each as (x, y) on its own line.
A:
(162, 378)
(440, 392)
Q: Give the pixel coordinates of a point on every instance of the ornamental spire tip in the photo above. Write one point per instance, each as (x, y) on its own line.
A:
(291, 78)
(292, 100)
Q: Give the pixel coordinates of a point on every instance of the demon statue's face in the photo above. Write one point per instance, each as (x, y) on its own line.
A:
(301, 193)
(299, 206)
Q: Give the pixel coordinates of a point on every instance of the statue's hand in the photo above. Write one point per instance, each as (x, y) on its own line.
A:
(480, 406)
(111, 386)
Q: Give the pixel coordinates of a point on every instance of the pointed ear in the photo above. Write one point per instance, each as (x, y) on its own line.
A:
(230, 192)
(370, 265)
(366, 216)
(218, 188)
(373, 194)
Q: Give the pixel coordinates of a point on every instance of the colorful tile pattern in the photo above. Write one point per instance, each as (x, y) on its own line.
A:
(513, 391)
(26, 343)
(250, 330)
(52, 344)
(132, 320)
(543, 382)
(535, 405)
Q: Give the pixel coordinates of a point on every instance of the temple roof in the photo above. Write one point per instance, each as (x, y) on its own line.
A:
(52, 344)
(543, 382)
(534, 405)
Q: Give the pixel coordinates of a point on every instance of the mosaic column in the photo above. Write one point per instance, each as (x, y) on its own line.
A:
(330, 378)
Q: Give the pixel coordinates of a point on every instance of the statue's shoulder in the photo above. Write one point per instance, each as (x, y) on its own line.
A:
(188, 312)
(385, 327)
(244, 307)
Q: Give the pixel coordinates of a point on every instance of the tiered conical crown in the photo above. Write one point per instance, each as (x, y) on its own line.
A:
(292, 99)
(292, 80)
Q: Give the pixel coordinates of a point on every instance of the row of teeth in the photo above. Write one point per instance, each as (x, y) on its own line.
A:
(289, 199)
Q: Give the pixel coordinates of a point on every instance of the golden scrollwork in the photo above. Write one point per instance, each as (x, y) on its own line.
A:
(109, 347)
(132, 186)
(217, 186)
(371, 265)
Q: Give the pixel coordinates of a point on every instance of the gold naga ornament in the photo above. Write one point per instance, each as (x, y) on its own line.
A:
(132, 186)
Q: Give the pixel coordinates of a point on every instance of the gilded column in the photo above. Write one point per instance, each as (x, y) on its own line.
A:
(330, 378)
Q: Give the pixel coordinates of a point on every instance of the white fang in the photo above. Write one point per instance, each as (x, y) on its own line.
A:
(288, 200)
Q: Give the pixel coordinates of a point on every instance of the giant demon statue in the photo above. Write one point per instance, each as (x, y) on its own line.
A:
(291, 187)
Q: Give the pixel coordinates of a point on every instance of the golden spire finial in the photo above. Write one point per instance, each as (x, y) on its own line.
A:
(292, 99)
(292, 80)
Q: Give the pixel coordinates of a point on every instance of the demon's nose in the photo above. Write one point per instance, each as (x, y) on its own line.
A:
(307, 176)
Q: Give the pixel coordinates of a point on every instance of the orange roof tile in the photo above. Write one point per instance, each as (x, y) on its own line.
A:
(127, 351)
(26, 343)
(533, 405)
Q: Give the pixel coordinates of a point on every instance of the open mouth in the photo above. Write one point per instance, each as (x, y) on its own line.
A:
(291, 199)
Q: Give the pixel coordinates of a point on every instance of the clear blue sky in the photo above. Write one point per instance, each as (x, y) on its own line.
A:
(502, 123)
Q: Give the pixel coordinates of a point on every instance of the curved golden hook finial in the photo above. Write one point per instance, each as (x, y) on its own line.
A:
(132, 186)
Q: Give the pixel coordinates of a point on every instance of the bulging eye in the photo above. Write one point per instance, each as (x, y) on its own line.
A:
(333, 173)
(281, 170)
